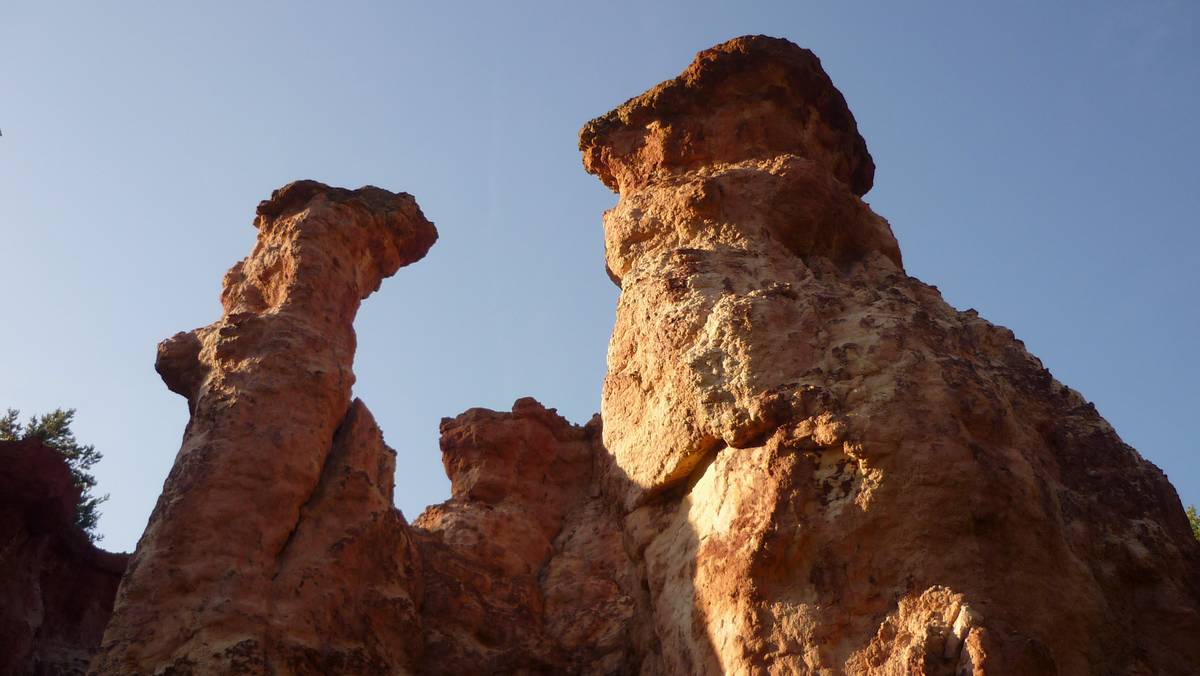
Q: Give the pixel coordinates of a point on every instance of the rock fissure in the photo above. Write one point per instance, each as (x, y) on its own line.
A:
(326, 468)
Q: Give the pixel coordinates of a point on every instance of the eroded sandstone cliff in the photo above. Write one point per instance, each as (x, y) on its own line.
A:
(275, 546)
(824, 467)
(809, 462)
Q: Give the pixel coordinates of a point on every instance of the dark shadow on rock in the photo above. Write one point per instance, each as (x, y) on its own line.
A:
(56, 587)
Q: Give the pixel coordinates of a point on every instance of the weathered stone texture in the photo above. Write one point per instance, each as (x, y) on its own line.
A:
(825, 467)
(270, 546)
(525, 567)
(809, 462)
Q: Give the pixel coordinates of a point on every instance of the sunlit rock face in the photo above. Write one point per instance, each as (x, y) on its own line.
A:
(808, 462)
(274, 545)
(730, 176)
(823, 467)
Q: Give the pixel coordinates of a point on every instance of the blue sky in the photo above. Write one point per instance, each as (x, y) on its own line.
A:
(1037, 161)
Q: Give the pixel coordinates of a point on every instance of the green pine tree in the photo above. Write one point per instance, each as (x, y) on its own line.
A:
(54, 429)
(1194, 518)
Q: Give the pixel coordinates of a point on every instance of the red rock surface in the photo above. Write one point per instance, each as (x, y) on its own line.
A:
(525, 570)
(57, 587)
(824, 467)
(274, 545)
(809, 462)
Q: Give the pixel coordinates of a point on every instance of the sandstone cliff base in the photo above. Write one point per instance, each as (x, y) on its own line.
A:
(808, 462)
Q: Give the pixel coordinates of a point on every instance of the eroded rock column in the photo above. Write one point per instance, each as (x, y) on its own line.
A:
(274, 542)
(822, 466)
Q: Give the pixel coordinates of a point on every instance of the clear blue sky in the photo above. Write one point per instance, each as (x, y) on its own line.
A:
(1038, 162)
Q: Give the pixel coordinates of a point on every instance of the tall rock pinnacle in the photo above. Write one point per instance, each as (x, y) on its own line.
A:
(282, 487)
(822, 466)
(746, 163)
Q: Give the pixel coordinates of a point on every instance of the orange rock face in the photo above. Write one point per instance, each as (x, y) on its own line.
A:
(809, 462)
(274, 545)
(525, 571)
(825, 468)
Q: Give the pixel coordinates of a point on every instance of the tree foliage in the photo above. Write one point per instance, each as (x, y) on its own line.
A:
(54, 429)
(1194, 518)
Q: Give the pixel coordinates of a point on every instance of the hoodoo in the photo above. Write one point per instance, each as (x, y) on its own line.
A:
(824, 467)
(808, 462)
(274, 541)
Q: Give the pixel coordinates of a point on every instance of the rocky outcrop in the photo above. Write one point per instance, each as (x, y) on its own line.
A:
(809, 462)
(57, 587)
(525, 568)
(825, 468)
(274, 545)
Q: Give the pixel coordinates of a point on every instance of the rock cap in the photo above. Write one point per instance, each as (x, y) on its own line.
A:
(409, 234)
(749, 98)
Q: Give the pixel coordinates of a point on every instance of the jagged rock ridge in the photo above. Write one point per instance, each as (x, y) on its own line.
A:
(809, 462)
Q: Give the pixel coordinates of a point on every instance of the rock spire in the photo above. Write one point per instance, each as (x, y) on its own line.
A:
(822, 466)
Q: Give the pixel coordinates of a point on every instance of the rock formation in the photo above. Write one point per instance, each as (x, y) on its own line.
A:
(809, 462)
(274, 545)
(824, 467)
(57, 587)
(525, 571)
